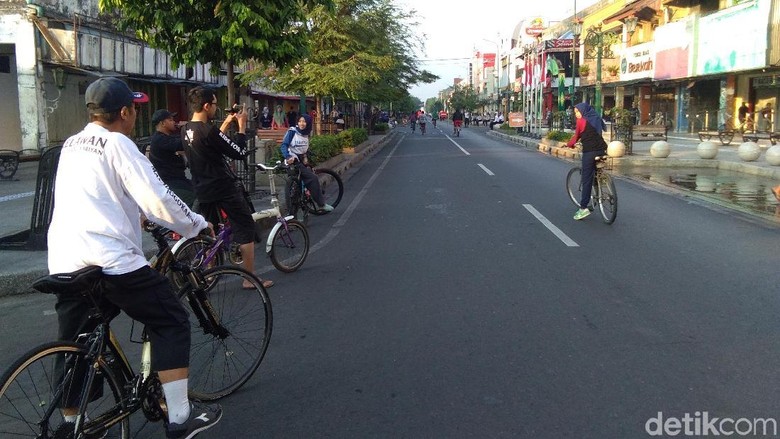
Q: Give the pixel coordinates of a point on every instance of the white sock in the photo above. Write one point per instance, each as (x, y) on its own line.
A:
(177, 401)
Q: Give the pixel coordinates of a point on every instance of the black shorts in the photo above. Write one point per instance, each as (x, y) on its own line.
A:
(238, 212)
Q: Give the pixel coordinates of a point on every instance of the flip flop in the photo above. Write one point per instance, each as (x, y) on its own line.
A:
(266, 284)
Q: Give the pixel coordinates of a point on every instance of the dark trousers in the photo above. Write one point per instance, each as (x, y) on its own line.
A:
(588, 172)
(146, 296)
(311, 182)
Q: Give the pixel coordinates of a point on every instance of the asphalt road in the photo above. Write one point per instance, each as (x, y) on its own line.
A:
(452, 295)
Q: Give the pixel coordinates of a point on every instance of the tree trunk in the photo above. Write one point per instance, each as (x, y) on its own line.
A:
(231, 87)
(318, 118)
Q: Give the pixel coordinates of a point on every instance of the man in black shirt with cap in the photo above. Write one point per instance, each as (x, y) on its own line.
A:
(166, 152)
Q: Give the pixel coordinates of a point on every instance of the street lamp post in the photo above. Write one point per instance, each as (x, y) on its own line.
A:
(600, 42)
(576, 31)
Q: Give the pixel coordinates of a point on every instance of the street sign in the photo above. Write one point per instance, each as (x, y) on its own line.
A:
(516, 120)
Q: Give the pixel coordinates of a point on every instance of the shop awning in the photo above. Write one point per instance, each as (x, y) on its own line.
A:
(643, 9)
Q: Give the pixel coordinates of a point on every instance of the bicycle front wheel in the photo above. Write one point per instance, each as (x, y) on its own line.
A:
(607, 194)
(187, 253)
(230, 329)
(332, 188)
(289, 246)
(43, 381)
(574, 185)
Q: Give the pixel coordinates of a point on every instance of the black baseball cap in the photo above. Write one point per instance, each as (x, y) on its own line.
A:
(162, 114)
(109, 95)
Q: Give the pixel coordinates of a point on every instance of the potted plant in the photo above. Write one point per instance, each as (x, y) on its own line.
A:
(613, 70)
(584, 70)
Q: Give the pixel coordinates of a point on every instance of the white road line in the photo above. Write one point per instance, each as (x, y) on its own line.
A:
(487, 171)
(16, 196)
(556, 231)
(456, 144)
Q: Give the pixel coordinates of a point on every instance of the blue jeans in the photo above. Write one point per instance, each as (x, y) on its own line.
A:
(588, 171)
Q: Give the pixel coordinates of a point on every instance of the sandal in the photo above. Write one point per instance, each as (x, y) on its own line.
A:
(266, 284)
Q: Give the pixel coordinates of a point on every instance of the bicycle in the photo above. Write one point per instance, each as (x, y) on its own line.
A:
(300, 202)
(422, 128)
(603, 194)
(287, 245)
(230, 335)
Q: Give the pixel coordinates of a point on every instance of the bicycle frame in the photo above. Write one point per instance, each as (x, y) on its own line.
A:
(274, 211)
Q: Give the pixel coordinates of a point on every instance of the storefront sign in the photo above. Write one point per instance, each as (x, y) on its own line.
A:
(488, 60)
(564, 45)
(673, 49)
(733, 39)
(535, 27)
(638, 62)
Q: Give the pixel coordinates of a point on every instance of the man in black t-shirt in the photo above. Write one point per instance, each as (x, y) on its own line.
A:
(215, 184)
(166, 152)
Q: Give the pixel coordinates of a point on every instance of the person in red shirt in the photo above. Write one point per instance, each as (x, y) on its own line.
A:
(588, 131)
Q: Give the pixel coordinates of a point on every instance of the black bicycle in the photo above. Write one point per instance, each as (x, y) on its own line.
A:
(300, 202)
(603, 194)
(231, 327)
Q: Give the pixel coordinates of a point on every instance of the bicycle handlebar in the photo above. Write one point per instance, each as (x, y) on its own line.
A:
(278, 167)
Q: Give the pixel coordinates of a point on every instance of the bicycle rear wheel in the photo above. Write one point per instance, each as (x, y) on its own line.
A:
(37, 385)
(289, 246)
(607, 196)
(230, 330)
(332, 188)
(574, 185)
(295, 201)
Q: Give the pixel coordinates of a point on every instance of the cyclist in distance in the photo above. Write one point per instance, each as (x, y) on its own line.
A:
(294, 147)
(103, 185)
(588, 131)
(422, 119)
(413, 120)
(215, 183)
(457, 121)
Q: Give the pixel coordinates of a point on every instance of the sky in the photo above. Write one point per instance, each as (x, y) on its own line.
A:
(454, 29)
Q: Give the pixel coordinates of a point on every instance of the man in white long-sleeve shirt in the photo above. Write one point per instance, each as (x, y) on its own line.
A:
(103, 185)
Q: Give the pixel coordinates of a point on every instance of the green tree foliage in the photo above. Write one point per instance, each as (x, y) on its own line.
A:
(359, 51)
(466, 99)
(219, 31)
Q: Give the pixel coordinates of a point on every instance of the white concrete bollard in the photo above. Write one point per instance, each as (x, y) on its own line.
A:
(707, 150)
(749, 151)
(773, 155)
(616, 148)
(660, 149)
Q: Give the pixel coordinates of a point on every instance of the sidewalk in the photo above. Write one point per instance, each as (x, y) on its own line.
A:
(18, 268)
(683, 154)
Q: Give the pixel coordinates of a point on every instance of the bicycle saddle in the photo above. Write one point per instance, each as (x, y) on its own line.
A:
(76, 282)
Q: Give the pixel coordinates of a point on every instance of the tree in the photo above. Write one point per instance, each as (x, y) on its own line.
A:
(359, 51)
(466, 99)
(219, 31)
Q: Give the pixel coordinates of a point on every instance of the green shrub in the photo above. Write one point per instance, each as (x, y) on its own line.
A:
(323, 147)
(381, 127)
(559, 136)
(352, 137)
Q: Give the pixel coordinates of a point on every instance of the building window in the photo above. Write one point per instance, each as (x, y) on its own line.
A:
(5, 64)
